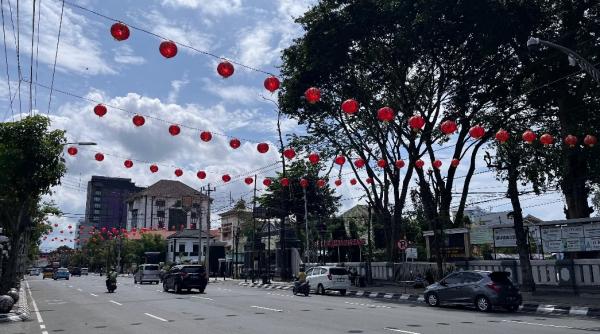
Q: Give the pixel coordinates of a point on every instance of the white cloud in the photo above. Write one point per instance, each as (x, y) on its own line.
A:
(176, 86)
(210, 7)
(256, 48)
(233, 93)
(178, 31)
(124, 55)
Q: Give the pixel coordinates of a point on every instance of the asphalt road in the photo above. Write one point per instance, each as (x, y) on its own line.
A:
(81, 305)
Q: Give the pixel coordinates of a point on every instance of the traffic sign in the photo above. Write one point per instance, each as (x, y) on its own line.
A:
(402, 244)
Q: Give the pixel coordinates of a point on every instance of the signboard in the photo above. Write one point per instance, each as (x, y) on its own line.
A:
(551, 233)
(592, 230)
(411, 253)
(402, 244)
(553, 246)
(505, 237)
(481, 236)
(592, 244)
(344, 243)
(569, 232)
(573, 245)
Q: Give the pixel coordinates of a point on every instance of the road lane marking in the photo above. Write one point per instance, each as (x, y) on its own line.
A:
(202, 298)
(399, 330)
(155, 317)
(70, 286)
(42, 326)
(536, 324)
(266, 308)
(35, 308)
(44, 332)
(79, 290)
(93, 295)
(114, 302)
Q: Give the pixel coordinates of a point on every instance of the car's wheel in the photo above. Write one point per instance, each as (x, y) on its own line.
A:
(432, 299)
(294, 291)
(320, 290)
(201, 290)
(483, 304)
(343, 292)
(165, 288)
(67, 278)
(177, 288)
(511, 308)
(134, 281)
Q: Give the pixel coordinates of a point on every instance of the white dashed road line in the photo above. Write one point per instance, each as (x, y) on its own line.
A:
(79, 290)
(35, 308)
(94, 295)
(155, 317)
(399, 330)
(206, 298)
(114, 302)
(266, 308)
(536, 324)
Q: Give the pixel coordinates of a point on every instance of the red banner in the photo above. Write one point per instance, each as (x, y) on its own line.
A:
(344, 243)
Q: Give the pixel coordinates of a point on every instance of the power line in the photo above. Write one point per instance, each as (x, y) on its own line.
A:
(31, 60)
(62, 8)
(6, 61)
(17, 44)
(37, 51)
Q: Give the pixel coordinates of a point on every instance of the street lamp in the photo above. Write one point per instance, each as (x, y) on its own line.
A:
(534, 44)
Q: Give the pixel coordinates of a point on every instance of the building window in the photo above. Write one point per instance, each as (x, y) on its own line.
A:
(96, 212)
(182, 248)
(194, 215)
(160, 214)
(98, 193)
(97, 205)
(134, 215)
(96, 218)
(96, 199)
(177, 204)
(160, 202)
(171, 247)
(194, 251)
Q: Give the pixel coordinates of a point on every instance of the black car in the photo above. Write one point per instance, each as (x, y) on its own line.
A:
(483, 289)
(185, 277)
(75, 271)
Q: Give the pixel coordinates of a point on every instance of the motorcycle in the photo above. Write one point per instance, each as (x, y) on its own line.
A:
(111, 286)
(301, 288)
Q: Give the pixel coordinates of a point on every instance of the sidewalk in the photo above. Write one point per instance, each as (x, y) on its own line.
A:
(20, 311)
(544, 303)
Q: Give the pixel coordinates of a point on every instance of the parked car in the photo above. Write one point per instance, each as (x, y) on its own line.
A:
(146, 273)
(484, 289)
(47, 272)
(34, 271)
(61, 273)
(185, 277)
(84, 271)
(326, 278)
(76, 271)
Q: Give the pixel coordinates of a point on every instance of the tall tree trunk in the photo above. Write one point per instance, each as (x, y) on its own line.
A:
(522, 244)
(433, 218)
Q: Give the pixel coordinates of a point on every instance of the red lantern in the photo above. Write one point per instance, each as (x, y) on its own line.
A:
(138, 120)
(103, 230)
(119, 31)
(99, 156)
(477, 131)
(571, 140)
(350, 106)
(72, 150)
(321, 183)
(248, 180)
(353, 182)
(174, 130)
(205, 136)
(226, 178)
(437, 164)
(547, 139)
(338, 182)
(340, 160)
(70, 227)
(267, 182)
(262, 148)
(153, 168)
(528, 136)
(590, 140)
(416, 122)
(419, 163)
(382, 163)
(303, 183)
(271, 84)
(284, 182)
(201, 175)
(168, 49)
(235, 143)
(399, 163)
(359, 163)
(502, 135)
(100, 110)
(225, 69)
(455, 163)
(369, 180)
(178, 172)
(312, 95)
(314, 158)
(448, 127)
(289, 153)
(386, 114)
(128, 163)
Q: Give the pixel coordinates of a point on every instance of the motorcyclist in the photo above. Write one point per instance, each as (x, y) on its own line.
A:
(301, 278)
(111, 277)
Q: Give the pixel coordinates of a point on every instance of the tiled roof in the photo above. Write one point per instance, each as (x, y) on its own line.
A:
(168, 188)
(187, 233)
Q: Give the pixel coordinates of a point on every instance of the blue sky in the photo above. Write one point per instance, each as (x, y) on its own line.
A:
(186, 89)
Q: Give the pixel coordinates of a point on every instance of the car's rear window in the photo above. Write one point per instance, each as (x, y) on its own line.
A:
(193, 270)
(63, 270)
(48, 270)
(338, 271)
(150, 267)
(500, 277)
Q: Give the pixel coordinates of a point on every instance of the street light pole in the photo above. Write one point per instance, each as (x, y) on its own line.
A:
(534, 44)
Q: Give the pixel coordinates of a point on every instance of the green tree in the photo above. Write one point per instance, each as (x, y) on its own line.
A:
(30, 164)
(40, 227)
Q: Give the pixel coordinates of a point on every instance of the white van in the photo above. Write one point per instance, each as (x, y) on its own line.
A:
(146, 273)
(328, 278)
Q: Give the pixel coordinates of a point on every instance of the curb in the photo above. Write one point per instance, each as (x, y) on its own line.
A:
(568, 310)
(22, 313)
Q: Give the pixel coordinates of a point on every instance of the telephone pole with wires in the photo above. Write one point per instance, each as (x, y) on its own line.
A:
(208, 190)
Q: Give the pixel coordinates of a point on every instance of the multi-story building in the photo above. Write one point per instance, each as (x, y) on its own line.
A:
(231, 225)
(106, 201)
(167, 204)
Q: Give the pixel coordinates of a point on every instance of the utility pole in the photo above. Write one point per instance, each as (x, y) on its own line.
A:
(208, 190)
(253, 227)
(370, 257)
(199, 227)
(305, 224)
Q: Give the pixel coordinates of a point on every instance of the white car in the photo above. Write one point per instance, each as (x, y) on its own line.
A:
(328, 278)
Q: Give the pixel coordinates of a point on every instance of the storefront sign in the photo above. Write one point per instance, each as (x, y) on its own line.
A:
(411, 253)
(592, 230)
(592, 244)
(505, 237)
(551, 233)
(573, 245)
(569, 232)
(481, 236)
(553, 246)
